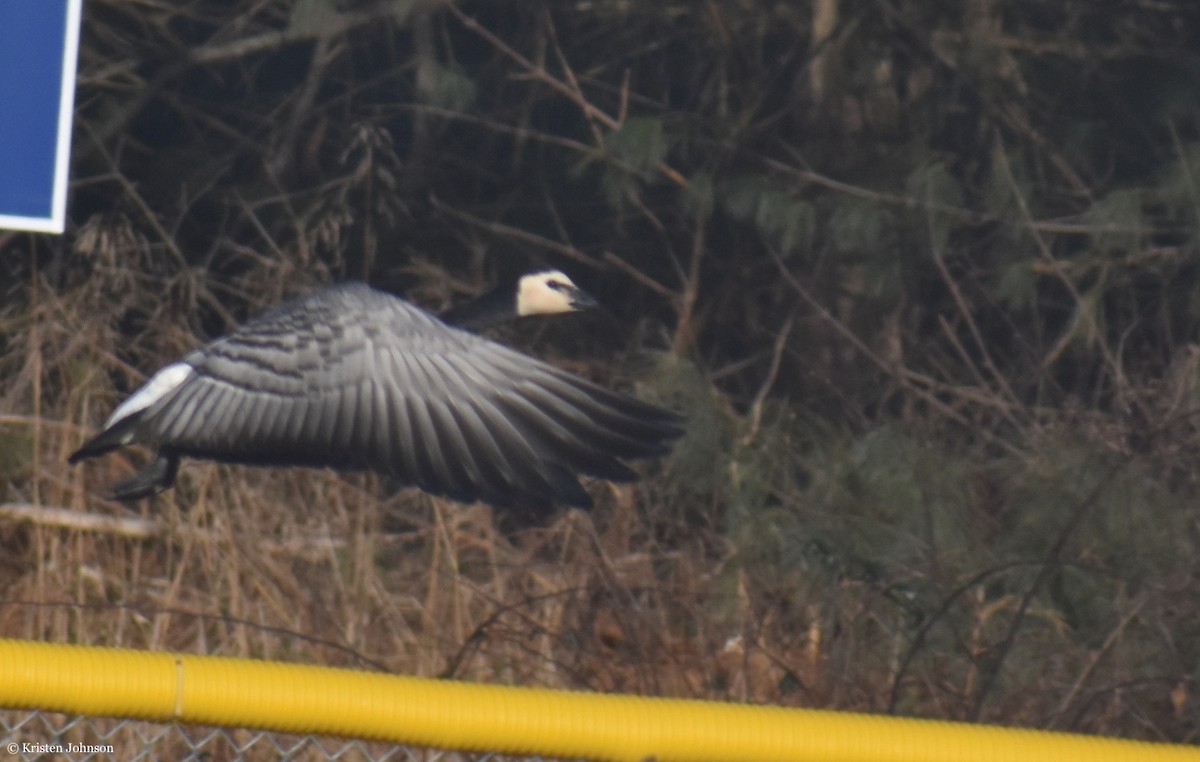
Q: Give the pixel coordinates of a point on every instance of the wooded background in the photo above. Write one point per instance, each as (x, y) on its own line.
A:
(924, 277)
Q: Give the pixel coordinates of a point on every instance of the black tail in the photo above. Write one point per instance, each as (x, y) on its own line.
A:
(107, 440)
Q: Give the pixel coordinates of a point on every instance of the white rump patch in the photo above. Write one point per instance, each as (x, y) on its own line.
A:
(544, 293)
(152, 391)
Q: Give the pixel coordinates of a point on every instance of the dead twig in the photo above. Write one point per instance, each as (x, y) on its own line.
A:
(1135, 608)
(1050, 562)
(640, 277)
(756, 408)
(576, 92)
(964, 310)
(65, 518)
(686, 328)
(508, 231)
(145, 529)
(572, 93)
(968, 216)
(1081, 303)
(917, 383)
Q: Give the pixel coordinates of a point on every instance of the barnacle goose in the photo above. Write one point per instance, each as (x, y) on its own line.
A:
(350, 377)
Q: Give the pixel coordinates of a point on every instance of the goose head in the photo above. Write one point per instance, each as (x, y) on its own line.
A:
(548, 293)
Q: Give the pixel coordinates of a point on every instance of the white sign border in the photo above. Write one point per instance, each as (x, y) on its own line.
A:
(57, 221)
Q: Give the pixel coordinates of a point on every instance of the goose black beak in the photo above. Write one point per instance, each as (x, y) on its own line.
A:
(580, 299)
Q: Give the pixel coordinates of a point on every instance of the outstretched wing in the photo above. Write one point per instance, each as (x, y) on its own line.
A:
(350, 377)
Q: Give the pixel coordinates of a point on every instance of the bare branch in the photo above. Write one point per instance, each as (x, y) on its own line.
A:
(509, 231)
(756, 408)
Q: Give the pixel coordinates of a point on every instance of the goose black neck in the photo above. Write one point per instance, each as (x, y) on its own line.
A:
(496, 306)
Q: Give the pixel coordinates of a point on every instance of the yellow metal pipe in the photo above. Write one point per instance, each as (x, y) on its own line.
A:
(447, 714)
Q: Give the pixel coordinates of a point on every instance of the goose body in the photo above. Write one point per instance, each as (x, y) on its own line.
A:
(350, 377)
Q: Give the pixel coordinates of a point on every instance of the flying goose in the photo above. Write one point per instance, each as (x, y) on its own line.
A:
(350, 377)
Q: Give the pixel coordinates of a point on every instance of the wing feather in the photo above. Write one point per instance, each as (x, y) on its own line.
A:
(347, 413)
(178, 417)
(381, 449)
(560, 444)
(406, 466)
(261, 413)
(223, 415)
(297, 421)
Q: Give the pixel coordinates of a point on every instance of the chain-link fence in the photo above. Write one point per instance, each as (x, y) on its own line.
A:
(36, 735)
(197, 706)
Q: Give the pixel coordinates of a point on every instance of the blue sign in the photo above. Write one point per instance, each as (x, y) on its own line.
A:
(39, 44)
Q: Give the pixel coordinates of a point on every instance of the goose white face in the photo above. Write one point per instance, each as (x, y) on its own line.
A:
(550, 292)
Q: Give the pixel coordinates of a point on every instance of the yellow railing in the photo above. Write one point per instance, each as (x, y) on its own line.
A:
(290, 698)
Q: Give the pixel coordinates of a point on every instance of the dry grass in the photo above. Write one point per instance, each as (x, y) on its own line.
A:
(317, 567)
